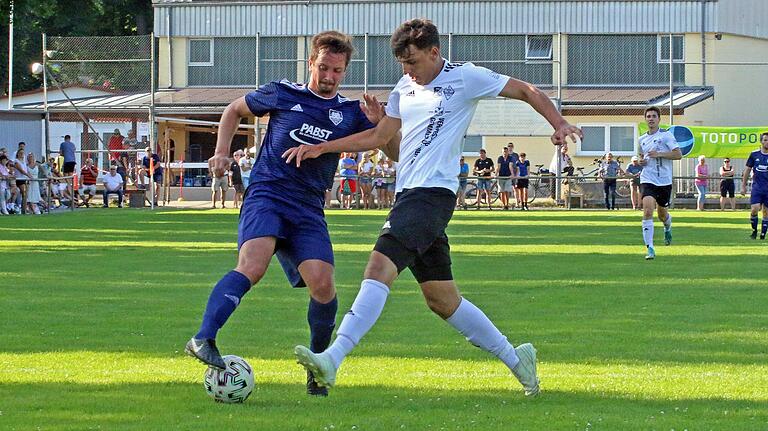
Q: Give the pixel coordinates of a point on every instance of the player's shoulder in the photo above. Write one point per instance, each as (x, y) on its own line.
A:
(449, 66)
(288, 85)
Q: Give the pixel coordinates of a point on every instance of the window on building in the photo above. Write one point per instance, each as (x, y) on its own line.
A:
(472, 145)
(201, 52)
(278, 59)
(662, 48)
(599, 139)
(538, 47)
(505, 54)
(630, 57)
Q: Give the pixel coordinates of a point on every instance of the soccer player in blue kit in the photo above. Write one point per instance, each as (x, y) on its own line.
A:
(757, 164)
(282, 211)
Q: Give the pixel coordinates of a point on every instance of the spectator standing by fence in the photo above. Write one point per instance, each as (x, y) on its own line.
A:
(483, 170)
(505, 168)
(154, 168)
(22, 176)
(4, 187)
(633, 169)
(461, 198)
(365, 172)
(33, 188)
(348, 172)
(609, 170)
(236, 178)
(246, 164)
(702, 175)
(515, 158)
(727, 185)
(521, 186)
(219, 184)
(67, 151)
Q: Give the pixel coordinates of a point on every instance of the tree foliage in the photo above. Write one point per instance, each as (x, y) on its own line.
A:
(32, 18)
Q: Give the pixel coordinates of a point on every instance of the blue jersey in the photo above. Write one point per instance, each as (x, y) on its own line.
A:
(298, 116)
(758, 162)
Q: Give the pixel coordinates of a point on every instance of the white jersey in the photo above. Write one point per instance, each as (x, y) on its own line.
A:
(657, 171)
(434, 119)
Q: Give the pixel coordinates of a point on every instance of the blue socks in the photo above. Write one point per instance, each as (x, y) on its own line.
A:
(224, 298)
(753, 221)
(322, 320)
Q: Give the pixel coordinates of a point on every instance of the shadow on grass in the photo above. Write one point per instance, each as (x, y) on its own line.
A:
(184, 405)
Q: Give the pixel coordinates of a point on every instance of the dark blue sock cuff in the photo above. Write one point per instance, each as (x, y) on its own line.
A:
(236, 280)
(322, 312)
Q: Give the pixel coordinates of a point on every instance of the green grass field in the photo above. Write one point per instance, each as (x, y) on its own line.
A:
(97, 306)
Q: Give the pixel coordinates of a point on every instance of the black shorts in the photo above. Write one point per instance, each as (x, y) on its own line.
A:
(522, 183)
(727, 187)
(69, 168)
(414, 236)
(661, 194)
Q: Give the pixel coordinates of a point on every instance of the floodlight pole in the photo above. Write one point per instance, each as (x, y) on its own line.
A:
(47, 118)
(10, 57)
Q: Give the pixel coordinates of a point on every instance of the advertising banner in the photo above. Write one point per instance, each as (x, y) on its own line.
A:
(735, 142)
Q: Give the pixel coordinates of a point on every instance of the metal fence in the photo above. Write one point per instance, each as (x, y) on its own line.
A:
(600, 82)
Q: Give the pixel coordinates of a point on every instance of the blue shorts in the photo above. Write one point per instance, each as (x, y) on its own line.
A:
(299, 227)
(484, 183)
(758, 197)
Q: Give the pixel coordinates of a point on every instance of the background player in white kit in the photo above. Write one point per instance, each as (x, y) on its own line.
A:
(657, 150)
(434, 103)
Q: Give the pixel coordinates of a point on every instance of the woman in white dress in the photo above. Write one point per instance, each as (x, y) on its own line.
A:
(33, 188)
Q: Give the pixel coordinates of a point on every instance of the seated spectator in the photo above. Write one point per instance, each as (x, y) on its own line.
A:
(13, 197)
(113, 184)
(88, 176)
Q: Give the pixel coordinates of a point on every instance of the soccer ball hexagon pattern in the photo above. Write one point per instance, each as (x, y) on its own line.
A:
(232, 385)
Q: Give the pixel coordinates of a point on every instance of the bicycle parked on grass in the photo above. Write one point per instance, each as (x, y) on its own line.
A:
(541, 184)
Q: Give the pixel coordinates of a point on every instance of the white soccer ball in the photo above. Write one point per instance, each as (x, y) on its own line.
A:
(232, 385)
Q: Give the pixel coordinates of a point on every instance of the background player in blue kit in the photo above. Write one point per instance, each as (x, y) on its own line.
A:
(282, 211)
(757, 163)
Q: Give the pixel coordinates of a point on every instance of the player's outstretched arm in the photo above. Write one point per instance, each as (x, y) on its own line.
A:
(370, 139)
(521, 90)
(230, 119)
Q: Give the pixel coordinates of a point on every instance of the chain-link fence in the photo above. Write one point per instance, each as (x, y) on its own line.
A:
(103, 106)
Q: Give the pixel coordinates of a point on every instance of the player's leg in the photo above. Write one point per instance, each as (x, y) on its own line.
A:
(663, 197)
(764, 228)
(432, 270)
(606, 191)
(649, 205)
(380, 273)
(252, 263)
(754, 209)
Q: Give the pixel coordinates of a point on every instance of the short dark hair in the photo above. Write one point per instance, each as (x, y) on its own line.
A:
(66, 137)
(482, 150)
(763, 134)
(419, 32)
(522, 154)
(654, 109)
(331, 41)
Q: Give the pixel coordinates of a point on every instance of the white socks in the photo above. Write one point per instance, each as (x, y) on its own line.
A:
(359, 319)
(648, 231)
(668, 222)
(480, 331)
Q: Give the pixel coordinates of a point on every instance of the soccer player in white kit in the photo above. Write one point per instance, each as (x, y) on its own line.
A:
(657, 150)
(433, 103)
